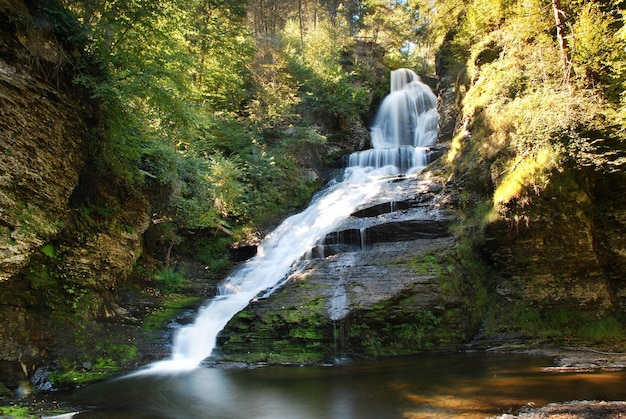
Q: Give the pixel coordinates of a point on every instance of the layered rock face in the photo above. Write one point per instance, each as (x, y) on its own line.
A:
(42, 127)
(56, 273)
(383, 284)
(565, 249)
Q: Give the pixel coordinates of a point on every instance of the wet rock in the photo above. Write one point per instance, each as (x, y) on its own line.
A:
(385, 293)
(41, 157)
(573, 410)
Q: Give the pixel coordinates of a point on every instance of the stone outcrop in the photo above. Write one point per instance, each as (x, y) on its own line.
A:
(68, 237)
(563, 252)
(43, 129)
(556, 252)
(377, 288)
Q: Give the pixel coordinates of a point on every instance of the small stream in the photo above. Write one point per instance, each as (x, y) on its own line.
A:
(468, 385)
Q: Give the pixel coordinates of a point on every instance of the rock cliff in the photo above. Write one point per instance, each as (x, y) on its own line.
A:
(562, 256)
(556, 253)
(58, 269)
(43, 128)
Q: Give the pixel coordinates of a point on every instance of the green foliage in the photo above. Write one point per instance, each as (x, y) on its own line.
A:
(16, 412)
(49, 250)
(169, 279)
(531, 170)
(317, 68)
(525, 123)
(210, 251)
(204, 118)
(598, 54)
(90, 218)
(604, 330)
(400, 27)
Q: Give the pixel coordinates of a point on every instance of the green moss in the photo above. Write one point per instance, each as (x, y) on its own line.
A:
(79, 376)
(297, 333)
(604, 330)
(528, 171)
(170, 307)
(16, 412)
(73, 374)
(425, 264)
(391, 330)
(303, 357)
(113, 358)
(308, 312)
(306, 333)
(40, 277)
(556, 325)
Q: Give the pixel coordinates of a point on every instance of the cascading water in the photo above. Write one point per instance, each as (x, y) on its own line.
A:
(405, 126)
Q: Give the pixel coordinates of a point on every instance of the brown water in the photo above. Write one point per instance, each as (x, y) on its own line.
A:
(449, 386)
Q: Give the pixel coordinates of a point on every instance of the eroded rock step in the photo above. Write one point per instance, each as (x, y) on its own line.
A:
(416, 217)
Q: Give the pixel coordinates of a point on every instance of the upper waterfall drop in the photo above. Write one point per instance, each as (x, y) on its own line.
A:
(408, 115)
(404, 127)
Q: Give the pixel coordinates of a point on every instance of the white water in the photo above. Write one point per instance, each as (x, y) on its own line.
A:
(404, 128)
(279, 253)
(277, 256)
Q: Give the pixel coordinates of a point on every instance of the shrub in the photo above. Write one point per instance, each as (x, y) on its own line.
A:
(169, 279)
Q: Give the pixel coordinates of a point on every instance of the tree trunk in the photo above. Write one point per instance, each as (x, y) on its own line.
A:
(559, 16)
(301, 27)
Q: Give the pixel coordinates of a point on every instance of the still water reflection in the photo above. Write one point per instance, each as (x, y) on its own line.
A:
(450, 386)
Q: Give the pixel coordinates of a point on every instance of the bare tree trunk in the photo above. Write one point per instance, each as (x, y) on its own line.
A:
(301, 27)
(168, 256)
(559, 16)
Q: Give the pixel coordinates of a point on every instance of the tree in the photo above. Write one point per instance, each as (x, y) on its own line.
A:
(559, 18)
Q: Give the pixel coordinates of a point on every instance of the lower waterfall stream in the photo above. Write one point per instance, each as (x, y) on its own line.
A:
(278, 255)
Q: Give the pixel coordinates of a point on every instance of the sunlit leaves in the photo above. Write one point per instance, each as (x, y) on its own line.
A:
(598, 50)
(324, 85)
(396, 25)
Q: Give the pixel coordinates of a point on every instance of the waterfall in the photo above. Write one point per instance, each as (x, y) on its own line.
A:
(404, 128)
(397, 138)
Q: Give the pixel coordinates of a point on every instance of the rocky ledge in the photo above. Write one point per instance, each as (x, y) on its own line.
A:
(573, 410)
(384, 283)
(576, 360)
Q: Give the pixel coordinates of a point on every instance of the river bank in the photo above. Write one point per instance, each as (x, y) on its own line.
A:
(511, 382)
(573, 410)
(576, 360)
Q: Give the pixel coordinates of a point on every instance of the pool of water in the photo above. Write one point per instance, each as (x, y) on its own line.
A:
(465, 385)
